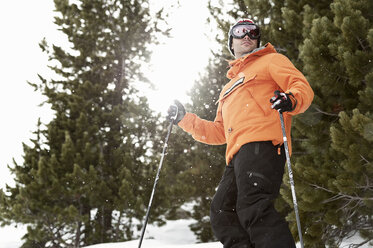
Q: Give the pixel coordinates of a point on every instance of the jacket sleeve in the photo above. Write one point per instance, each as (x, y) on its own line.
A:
(208, 132)
(290, 79)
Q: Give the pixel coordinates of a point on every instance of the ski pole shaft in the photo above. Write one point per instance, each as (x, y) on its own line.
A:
(291, 179)
(155, 182)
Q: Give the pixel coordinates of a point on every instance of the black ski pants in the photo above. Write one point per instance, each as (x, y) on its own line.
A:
(242, 211)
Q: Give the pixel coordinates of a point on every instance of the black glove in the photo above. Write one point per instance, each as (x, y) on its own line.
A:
(283, 101)
(176, 112)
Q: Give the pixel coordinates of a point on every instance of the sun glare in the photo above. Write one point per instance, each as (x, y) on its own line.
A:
(177, 63)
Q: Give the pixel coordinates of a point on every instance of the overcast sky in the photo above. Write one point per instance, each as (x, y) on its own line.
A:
(25, 23)
(175, 66)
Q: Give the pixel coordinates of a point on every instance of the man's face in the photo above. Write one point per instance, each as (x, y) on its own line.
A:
(243, 46)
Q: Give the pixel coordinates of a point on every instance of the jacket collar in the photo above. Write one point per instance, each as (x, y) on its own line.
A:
(237, 64)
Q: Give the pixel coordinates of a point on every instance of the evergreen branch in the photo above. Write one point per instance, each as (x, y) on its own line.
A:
(301, 153)
(366, 160)
(339, 196)
(361, 44)
(325, 113)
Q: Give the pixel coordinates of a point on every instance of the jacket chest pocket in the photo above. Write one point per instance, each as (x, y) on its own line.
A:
(239, 83)
(231, 99)
(261, 92)
(237, 102)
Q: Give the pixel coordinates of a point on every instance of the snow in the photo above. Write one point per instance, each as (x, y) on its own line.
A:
(176, 234)
(155, 244)
(10, 236)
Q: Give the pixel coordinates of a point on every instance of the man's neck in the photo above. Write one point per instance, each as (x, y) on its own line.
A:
(252, 51)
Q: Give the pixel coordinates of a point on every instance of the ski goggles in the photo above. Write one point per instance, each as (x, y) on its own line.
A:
(241, 30)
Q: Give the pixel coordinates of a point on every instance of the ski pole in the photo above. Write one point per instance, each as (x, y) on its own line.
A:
(157, 176)
(291, 180)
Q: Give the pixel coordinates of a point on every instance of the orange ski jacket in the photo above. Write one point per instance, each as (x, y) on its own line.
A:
(244, 112)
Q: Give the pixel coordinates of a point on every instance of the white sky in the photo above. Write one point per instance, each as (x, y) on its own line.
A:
(24, 23)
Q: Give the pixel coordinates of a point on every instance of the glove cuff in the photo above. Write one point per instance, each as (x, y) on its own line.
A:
(293, 100)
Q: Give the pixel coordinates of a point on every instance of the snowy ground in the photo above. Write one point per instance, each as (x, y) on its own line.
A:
(155, 244)
(176, 234)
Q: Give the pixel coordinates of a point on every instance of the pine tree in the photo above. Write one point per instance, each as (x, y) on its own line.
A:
(335, 188)
(86, 173)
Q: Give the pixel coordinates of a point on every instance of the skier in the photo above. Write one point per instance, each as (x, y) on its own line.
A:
(261, 81)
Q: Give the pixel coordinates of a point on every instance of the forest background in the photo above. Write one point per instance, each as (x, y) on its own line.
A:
(87, 173)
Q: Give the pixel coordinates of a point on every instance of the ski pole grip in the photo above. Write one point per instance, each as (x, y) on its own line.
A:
(173, 118)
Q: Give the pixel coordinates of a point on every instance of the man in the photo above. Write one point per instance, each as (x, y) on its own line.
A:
(261, 81)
